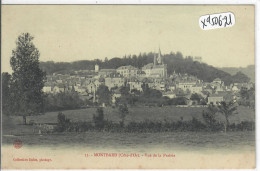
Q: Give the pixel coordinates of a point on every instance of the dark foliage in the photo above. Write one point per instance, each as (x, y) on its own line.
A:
(247, 97)
(63, 123)
(104, 95)
(62, 101)
(210, 120)
(240, 77)
(99, 119)
(193, 125)
(27, 80)
(123, 112)
(6, 100)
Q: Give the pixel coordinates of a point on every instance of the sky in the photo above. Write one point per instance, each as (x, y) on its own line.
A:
(84, 32)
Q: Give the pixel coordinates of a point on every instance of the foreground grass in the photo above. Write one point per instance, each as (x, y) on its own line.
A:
(238, 141)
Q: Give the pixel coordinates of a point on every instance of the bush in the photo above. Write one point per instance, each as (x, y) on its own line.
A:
(63, 123)
(194, 125)
(99, 119)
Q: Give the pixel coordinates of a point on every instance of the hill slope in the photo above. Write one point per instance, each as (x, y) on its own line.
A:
(249, 71)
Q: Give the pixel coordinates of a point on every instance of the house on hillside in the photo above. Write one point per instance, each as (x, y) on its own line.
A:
(47, 88)
(135, 85)
(217, 83)
(196, 88)
(209, 89)
(186, 85)
(106, 72)
(169, 94)
(117, 94)
(59, 88)
(112, 82)
(80, 89)
(221, 96)
(127, 71)
(215, 99)
(171, 86)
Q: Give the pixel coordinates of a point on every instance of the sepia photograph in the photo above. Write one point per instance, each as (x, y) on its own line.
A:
(128, 86)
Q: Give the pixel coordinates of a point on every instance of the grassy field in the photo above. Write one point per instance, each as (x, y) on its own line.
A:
(13, 124)
(233, 141)
(137, 114)
(13, 129)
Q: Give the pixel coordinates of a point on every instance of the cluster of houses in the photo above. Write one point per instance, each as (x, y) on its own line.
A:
(154, 75)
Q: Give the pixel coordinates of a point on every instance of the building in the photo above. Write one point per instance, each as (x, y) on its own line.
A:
(106, 72)
(209, 89)
(80, 89)
(215, 98)
(169, 94)
(47, 88)
(157, 68)
(197, 59)
(96, 68)
(91, 88)
(127, 71)
(217, 82)
(196, 88)
(59, 88)
(112, 82)
(186, 85)
(135, 85)
(221, 96)
(117, 94)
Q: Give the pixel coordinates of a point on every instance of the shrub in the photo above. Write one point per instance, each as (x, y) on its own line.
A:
(99, 119)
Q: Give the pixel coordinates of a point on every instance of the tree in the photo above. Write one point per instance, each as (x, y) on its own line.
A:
(99, 119)
(240, 77)
(104, 95)
(227, 109)
(195, 97)
(6, 102)
(152, 93)
(123, 111)
(63, 122)
(27, 78)
(247, 97)
(209, 117)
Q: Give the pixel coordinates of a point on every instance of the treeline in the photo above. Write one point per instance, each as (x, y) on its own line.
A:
(249, 71)
(175, 62)
(100, 124)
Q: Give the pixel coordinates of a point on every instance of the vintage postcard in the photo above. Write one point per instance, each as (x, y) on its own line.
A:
(128, 86)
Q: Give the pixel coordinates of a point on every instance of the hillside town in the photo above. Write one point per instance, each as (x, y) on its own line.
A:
(154, 75)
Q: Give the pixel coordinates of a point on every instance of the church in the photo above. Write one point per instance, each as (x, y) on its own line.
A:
(156, 69)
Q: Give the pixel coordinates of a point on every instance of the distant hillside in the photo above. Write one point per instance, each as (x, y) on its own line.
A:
(249, 71)
(175, 62)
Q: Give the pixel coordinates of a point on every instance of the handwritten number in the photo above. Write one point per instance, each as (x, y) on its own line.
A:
(204, 25)
(216, 20)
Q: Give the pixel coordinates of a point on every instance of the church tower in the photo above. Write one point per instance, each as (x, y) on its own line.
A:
(159, 59)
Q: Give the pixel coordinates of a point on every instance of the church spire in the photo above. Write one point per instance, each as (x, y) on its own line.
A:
(159, 57)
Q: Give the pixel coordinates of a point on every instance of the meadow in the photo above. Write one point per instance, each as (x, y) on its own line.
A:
(13, 129)
(188, 141)
(140, 113)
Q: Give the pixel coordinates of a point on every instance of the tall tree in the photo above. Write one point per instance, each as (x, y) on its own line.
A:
(104, 95)
(227, 109)
(6, 102)
(123, 111)
(27, 78)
